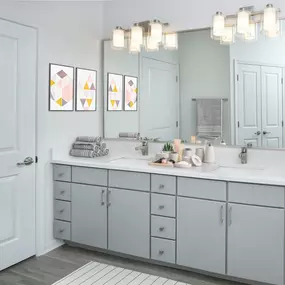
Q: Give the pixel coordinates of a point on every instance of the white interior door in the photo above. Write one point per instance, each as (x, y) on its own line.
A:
(17, 141)
(159, 94)
(248, 101)
(272, 107)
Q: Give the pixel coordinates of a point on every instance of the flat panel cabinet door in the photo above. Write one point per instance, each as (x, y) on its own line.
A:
(89, 215)
(129, 222)
(272, 107)
(201, 234)
(256, 243)
(248, 105)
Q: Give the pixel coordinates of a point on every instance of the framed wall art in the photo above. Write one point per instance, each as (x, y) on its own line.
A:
(61, 87)
(115, 92)
(86, 90)
(131, 93)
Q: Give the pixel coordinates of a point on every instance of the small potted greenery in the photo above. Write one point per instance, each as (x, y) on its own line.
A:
(167, 149)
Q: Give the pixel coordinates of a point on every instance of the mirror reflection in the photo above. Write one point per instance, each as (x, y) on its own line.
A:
(229, 93)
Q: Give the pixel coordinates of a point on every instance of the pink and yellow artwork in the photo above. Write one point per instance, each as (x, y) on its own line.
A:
(131, 93)
(86, 89)
(115, 92)
(61, 88)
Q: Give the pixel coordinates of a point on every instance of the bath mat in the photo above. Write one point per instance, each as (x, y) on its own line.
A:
(94, 273)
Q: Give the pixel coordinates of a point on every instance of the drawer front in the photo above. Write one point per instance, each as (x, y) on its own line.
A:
(61, 230)
(92, 176)
(163, 184)
(163, 205)
(256, 194)
(163, 250)
(163, 227)
(62, 191)
(62, 210)
(62, 172)
(129, 180)
(199, 188)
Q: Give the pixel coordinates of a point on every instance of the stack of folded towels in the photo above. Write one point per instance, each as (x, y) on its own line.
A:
(89, 147)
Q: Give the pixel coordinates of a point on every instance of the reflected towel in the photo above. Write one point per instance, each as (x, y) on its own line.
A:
(87, 139)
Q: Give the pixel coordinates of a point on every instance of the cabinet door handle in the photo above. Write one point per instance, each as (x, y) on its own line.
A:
(102, 197)
(161, 207)
(161, 186)
(62, 192)
(161, 229)
(108, 198)
(161, 252)
(61, 211)
(230, 215)
(61, 231)
(222, 214)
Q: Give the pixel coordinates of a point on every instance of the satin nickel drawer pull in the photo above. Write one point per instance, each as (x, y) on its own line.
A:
(161, 186)
(161, 252)
(61, 231)
(161, 229)
(61, 211)
(161, 207)
(62, 192)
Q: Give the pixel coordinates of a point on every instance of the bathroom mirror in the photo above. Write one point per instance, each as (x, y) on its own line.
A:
(231, 92)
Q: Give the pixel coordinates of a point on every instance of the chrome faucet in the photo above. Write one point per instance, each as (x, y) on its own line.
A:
(144, 147)
(243, 154)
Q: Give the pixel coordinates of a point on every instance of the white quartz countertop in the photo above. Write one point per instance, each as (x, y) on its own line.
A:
(234, 173)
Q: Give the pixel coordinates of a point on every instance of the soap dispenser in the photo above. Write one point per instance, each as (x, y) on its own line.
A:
(210, 156)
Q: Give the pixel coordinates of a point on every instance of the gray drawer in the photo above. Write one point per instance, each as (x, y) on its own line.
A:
(272, 196)
(200, 188)
(163, 250)
(129, 180)
(62, 172)
(92, 176)
(62, 210)
(61, 230)
(163, 184)
(163, 205)
(163, 227)
(62, 191)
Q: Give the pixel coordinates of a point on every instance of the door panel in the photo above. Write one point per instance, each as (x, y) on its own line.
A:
(17, 129)
(256, 243)
(272, 107)
(249, 105)
(201, 234)
(129, 222)
(89, 215)
(160, 91)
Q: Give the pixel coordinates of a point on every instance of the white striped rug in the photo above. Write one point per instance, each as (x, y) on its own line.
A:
(94, 273)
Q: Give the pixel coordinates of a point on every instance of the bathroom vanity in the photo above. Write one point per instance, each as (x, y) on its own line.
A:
(220, 222)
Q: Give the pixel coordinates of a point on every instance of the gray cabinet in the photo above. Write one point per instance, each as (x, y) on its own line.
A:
(129, 222)
(89, 215)
(201, 234)
(256, 243)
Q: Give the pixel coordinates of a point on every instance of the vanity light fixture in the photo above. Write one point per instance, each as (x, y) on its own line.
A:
(148, 34)
(244, 24)
(171, 41)
(118, 38)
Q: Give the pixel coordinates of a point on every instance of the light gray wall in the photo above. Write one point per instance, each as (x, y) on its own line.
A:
(121, 62)
(204, 73)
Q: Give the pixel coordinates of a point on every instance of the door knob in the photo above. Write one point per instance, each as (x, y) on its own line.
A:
(27, 161)
(258, 133)
(266, 133)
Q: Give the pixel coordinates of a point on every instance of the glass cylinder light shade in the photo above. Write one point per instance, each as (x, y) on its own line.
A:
(151, 45)
(270, 21)
(134, 47)
(156, 31)
(171, 41)
(118, 41)
(243, 18)
(137, 34)
(251, 35)
(228, 36)
(218, 26)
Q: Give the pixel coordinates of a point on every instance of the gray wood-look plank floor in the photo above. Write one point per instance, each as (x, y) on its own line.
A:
(47, 269)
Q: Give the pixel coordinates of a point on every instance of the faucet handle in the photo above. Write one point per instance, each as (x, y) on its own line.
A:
(249, 145)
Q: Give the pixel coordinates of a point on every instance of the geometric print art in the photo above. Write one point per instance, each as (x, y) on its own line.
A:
(61, 87)
(115, 92)
(86, 89)
(131, 93)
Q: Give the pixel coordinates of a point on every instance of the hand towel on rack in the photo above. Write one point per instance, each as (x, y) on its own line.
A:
(209, 117)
